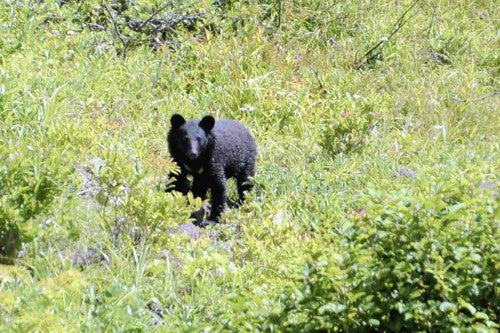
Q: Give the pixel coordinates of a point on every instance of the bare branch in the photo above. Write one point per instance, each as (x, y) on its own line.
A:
(154, 14)
(280, 4)
(317, 78)
(456, 99)
(117, 30)
(397, 26)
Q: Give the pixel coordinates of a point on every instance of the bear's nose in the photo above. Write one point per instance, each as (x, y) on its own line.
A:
(192, 155)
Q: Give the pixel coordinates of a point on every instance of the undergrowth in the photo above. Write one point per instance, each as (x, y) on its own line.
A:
(375, 206)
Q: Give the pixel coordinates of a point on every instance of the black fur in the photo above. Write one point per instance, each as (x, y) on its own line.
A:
(212, 152)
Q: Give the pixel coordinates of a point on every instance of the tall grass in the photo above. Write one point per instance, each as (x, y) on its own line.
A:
(376, 197)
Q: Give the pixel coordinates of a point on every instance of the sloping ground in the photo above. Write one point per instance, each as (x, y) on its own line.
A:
(376, 198)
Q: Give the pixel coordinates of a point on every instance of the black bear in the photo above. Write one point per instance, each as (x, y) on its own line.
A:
(211, 151)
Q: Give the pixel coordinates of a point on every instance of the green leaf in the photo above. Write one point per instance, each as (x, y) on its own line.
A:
(448, 307)
(469, 307)
(101, 198)
(481, 315)
(331, 307)
(457, 207)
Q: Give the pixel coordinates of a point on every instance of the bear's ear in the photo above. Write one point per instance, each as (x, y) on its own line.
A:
(177, 121)
(207, 123)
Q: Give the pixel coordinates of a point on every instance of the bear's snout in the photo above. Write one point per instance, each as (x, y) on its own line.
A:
(194, 151)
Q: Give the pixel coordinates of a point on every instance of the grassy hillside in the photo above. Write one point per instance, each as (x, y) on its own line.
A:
(376, 201)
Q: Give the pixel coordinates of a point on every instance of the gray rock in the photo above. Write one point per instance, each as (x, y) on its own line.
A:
(86, 256)
(405, 172)
(491, 186)
(190, 229)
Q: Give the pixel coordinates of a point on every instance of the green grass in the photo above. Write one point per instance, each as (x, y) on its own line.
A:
(334, 236)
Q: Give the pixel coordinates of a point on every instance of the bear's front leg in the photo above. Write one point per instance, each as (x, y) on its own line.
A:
(219, 198)
(200, 186)
(181, 183)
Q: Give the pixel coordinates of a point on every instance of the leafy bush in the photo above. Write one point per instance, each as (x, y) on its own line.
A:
(409, 262)
(28, 185)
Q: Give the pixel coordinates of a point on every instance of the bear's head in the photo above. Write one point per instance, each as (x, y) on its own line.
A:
(191, 138)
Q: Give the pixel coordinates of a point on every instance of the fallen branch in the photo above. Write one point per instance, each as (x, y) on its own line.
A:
(456, 99)
(156, 12)
(160, 30)
(161, 25)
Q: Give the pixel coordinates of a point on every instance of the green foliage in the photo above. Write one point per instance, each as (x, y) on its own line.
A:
(28, 187)
(409, 262)
(375, 206)
(349, 130)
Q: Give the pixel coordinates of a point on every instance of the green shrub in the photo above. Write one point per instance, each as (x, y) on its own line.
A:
(349, 129)
(411, 262)
(27, 187)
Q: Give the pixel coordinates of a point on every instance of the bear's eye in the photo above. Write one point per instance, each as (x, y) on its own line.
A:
(185, 139)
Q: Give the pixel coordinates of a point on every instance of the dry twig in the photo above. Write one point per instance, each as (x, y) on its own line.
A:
(456, 99)
(368, 56)
(117, 31)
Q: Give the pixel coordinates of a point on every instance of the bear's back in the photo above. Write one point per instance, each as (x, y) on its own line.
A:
(234, 146)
